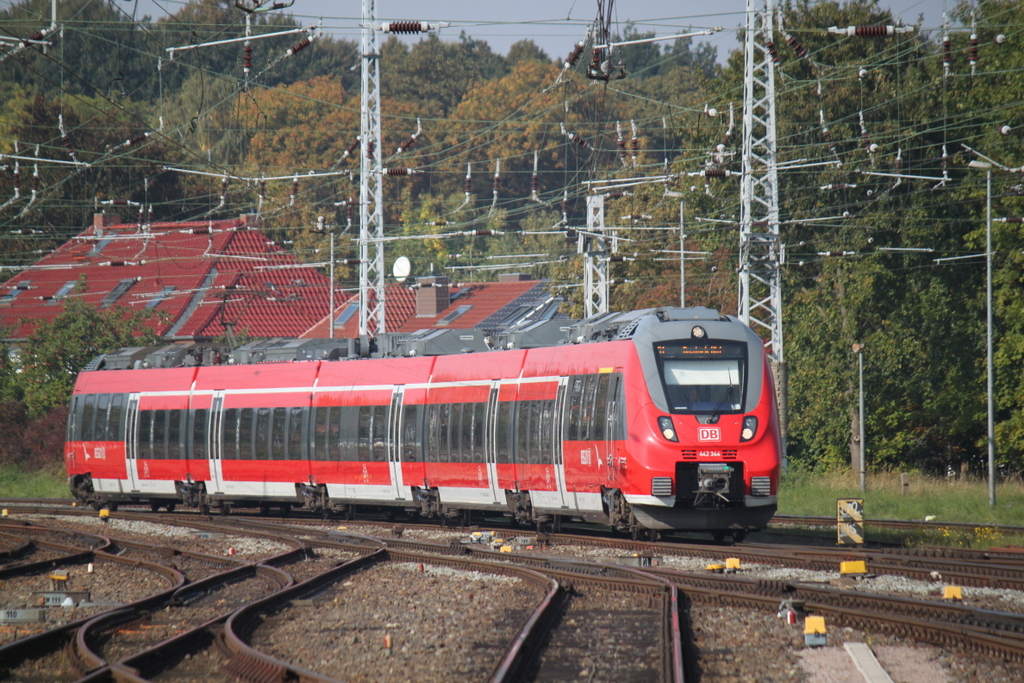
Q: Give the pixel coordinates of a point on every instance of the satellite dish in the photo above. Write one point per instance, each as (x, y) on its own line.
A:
(402, 268)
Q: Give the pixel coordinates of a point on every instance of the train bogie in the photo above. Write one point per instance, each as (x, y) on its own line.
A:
(656, 420)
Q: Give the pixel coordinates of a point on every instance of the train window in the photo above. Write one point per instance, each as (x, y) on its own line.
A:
(503, 436)
(72, 431)
(572, 423)
(521, 453)
(365, 422)
(703, 378)
(547, 433)
(88, 415)
(278, 432)
(321, 437)
(159, 435)
(380, 433)
(116, 418)
(444, 436)
(174, 434)
(348, 432)
(412, 440)
(433, 413)
(200, 424)
(246, 429)
(230, 434)
(296, 420)
(616, 410)
(144, 436)
(601, 408)
(102, 406)
(261, 434)
(476, 432)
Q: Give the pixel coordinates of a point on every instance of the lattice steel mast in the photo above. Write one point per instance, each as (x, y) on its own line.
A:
(761, 250)
(371, 195)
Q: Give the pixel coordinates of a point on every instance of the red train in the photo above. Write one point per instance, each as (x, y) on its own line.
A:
(643, 421)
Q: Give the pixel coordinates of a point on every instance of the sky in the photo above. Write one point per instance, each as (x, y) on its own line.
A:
(555, 25)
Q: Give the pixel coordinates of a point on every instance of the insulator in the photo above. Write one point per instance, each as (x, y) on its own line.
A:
(534, 183)
(350, 209)
(636, 217)
(614, 195)
(400, 171)
(370, 149)
(404, 27)
(595, 62)
(870, 31)
(620, 145)
(440, 224)
(481, 233)
(947, 51)
(135, 139)
(772, 50)
(247, 58)
(574, 55)
(862, 74)
(797, 46)
(634, 147)
(17, 178)
(1009, 220)
(579, 140)
(469, 183)
(38, 35)
(223, 186)
(262, 188)
(352, 147)
(409, 142)
(1004, 130)
(301, 45)
(349, 262)
(999, 39)
(838, 186)
(714, 173)
(295, 191)
(759, 224)
(570, 234)
(496, 184)
(972, 50)
(35, 181)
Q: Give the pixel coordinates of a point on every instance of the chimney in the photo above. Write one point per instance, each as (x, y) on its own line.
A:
(433, 295)
(105, 220)
(514, 277)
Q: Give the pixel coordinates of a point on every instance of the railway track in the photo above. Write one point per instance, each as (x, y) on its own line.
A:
(607, 600)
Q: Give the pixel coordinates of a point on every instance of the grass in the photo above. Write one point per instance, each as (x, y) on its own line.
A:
(17, 482)
(925, 498)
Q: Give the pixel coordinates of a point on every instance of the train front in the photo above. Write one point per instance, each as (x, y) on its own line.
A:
(704, 430)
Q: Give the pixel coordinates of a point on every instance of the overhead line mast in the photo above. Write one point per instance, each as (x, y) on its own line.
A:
(761, 251)
(371, 194)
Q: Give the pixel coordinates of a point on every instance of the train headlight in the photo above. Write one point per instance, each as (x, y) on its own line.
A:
(698, 332)
(749, 428)
(666, 428)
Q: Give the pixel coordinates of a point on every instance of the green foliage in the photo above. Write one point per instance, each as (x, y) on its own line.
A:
(58, 350)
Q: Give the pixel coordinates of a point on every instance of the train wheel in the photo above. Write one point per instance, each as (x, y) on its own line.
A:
(154, 506)
(719, 536)
(170, 507)
(112, 507)
(738, 536)
(264, 509)
(204, 509)
(96, 505)
(225, 509)
(286, 509)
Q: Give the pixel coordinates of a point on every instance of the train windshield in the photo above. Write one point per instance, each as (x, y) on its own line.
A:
(703, 377)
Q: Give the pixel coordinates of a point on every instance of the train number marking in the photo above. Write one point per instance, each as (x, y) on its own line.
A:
(100, 453)
(709, 434)
(585, 456)
(709, 454)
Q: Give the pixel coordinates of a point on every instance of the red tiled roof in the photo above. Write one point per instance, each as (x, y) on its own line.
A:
(201, 274)
(486, 300)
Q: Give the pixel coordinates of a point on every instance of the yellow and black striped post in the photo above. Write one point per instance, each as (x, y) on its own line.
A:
(850, 521)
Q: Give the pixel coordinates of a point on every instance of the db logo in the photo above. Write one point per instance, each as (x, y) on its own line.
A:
(709, 434)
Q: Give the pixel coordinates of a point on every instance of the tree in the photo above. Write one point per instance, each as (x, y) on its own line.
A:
(55, 353)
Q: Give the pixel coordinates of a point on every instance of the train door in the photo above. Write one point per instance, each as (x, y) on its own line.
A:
(613, 434)
(215, 442)
(558, 460)
(395, 438)
(131, 443)
(491, 445)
